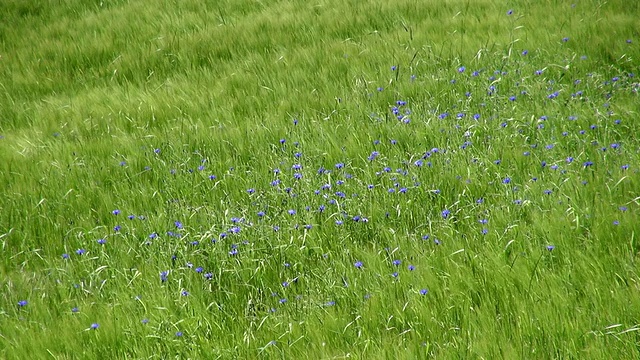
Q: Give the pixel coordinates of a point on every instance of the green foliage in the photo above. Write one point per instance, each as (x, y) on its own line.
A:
(285, 179)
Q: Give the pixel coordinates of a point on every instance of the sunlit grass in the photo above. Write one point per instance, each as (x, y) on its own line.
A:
(287, 179)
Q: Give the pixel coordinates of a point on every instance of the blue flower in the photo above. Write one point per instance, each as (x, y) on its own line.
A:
(95, 326)
(424, 292)
(358, 264)
(550, 247)
(164, 275)
(445, 213)
(22, 303)
(116, 212)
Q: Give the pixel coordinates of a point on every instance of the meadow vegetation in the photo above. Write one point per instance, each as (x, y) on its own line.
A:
(325, 179)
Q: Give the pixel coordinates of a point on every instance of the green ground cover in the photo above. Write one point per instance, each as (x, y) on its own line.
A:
(328, 179)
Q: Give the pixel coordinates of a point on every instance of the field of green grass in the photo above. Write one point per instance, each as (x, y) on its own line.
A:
(242, 179)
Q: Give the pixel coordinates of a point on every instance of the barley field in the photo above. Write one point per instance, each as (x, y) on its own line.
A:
(326, 179)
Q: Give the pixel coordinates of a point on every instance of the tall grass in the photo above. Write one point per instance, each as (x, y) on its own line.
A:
(288, 179)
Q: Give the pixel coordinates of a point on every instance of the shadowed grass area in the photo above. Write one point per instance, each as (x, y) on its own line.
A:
(286, 179)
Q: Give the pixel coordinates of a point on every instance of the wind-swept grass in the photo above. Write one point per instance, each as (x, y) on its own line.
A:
(288, 179)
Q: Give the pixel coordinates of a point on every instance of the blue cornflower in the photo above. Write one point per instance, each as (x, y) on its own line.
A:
(81, 251)
(178, 224)
(164, 275)
(102, 241)
(550, 247)
(424, 292)
(116, 212)
(445, 213)
(22, 303)
(358, 264)
(95, 326)
(396, 262)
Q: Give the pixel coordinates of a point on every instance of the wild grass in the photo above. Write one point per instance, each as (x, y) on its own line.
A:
(285, 179)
